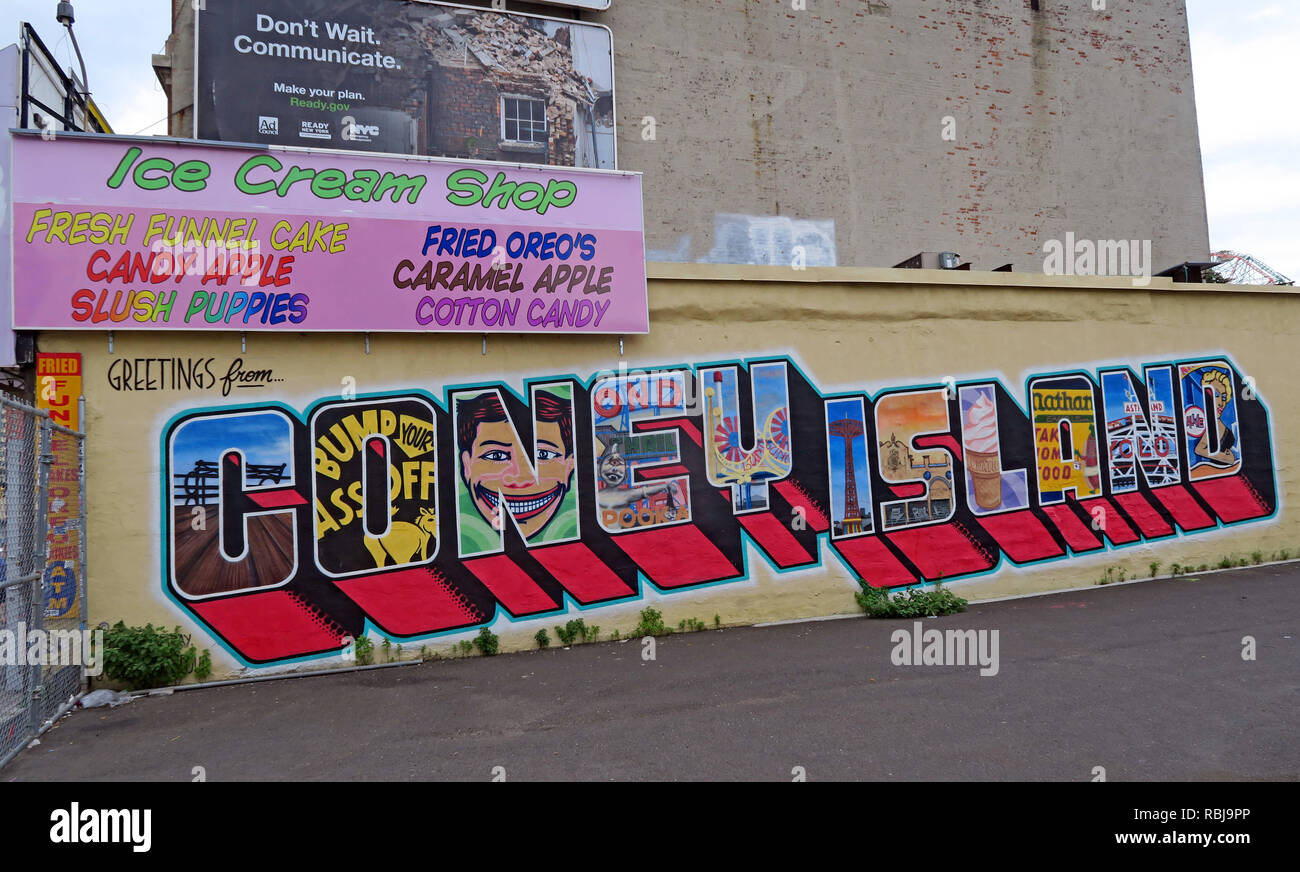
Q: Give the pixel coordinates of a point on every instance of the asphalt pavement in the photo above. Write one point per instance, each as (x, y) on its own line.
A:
(1145, 681)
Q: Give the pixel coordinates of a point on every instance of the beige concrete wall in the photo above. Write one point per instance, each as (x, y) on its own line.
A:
(846, 330)
(824, 127)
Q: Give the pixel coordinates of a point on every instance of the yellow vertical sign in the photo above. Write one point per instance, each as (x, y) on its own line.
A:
(58, 390)
(1079, 469)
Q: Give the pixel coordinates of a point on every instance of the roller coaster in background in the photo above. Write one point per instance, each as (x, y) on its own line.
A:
(1242, 269)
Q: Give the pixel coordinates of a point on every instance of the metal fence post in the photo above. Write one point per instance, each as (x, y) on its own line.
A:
(41, 549)
(83, 586)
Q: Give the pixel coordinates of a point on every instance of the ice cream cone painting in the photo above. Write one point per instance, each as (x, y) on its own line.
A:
(988, 488)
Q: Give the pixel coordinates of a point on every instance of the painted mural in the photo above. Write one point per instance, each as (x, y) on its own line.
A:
(288, 531)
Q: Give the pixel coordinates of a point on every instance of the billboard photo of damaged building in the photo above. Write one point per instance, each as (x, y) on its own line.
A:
(406, 78)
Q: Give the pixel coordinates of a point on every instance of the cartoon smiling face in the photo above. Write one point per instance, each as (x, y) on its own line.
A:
(495, 467)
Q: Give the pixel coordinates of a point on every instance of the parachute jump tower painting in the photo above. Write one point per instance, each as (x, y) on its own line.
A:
(849, 430)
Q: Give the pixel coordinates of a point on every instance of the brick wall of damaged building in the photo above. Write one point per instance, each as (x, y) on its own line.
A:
(481, 60)
(468, 114)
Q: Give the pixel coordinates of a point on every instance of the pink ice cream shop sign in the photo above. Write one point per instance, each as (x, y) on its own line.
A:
(112, 233)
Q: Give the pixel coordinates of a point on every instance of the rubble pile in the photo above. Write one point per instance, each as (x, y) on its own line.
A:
(511, 48)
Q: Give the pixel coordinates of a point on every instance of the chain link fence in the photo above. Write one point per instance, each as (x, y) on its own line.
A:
(43, 643)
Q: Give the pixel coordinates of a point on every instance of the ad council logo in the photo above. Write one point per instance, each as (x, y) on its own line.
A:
(268, 125)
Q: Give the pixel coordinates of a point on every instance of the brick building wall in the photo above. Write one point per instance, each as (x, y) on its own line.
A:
(823, 128)
(826, 123)
(466, 114)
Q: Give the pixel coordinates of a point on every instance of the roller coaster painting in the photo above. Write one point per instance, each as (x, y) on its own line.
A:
(286, 532)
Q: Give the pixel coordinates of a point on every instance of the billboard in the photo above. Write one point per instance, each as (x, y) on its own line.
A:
(135, 234)
(408, 78)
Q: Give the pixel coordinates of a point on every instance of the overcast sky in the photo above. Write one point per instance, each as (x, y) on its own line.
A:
(1246, 66)
(1244, 54)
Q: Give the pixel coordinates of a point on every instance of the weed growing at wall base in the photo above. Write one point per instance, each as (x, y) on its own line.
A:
(576, 631)
(486, 642)
(1109, 576)
(143, 657)
(916, 603)
(363, 651)
(651, 624)
(203, 669)
(568, 634)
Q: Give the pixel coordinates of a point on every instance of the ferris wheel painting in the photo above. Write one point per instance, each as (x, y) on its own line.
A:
(747, 469)
(1141, 432)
